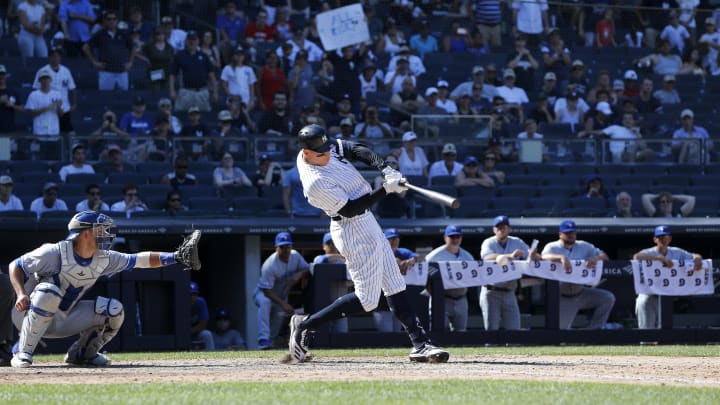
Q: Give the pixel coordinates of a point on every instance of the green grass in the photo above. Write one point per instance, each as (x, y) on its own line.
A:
(374, 392)
(386, 392)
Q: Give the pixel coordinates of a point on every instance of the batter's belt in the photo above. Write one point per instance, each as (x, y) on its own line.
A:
(340, 218)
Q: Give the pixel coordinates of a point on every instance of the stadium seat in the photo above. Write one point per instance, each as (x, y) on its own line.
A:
(200, 190)
(125, 178)
(470, 207)
(212, 204)
(442, 181)
(85, 178)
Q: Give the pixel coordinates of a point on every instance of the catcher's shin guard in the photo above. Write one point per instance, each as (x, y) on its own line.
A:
(93, 339)
(43, 305)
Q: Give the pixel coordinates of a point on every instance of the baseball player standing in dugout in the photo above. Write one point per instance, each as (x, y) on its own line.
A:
(331, 183)
(56, 275)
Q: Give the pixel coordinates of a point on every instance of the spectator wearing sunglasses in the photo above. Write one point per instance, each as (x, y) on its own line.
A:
(49, 201)
(131, 201)
(665, 205)
(93, 201)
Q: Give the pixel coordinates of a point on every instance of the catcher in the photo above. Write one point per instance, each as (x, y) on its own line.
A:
(50, 280)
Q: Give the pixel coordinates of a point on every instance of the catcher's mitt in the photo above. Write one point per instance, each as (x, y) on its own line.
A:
(187, 252)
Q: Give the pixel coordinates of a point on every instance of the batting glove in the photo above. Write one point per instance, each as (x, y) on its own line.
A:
(390, 174)
(395, 185)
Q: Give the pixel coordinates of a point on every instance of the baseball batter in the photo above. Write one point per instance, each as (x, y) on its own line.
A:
(50, 280)
(646, 306)
(331, 183)
(498, 301)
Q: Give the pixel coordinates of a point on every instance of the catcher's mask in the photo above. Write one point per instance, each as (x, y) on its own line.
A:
(100, 224)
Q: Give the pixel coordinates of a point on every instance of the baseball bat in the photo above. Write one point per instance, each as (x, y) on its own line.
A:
(435, 196)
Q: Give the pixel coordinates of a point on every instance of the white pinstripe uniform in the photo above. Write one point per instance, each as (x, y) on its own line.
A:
(369, 258)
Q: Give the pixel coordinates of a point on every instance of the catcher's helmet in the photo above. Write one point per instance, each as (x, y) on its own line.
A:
(99, 223)
(315, 138)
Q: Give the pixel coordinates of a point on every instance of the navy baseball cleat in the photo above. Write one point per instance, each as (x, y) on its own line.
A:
(99, 360)
(429, 353)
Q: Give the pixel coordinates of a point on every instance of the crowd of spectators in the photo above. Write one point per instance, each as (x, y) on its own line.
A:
(263, 71)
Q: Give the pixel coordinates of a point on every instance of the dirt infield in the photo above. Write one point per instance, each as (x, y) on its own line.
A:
(680, 371)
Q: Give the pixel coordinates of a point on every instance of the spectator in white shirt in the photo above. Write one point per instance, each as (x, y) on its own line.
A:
(62, 82)
(448, 166)
(93, 201)
(415, 63)
(131, 202)
(175, 37)
(8, 201)
(45, 106)
(630, 148)
(675, 32)
(530, 17)
(508, 91)
(78, 164)
(412, 159)
(571, 109)
(395, 78)
(238, 79)
(712, 39)
(49, 201)
(443, 101)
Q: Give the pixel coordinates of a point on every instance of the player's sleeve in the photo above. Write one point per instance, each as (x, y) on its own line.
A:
(203, 313)
(43, 261)
(520, 244)
(485, 249)
(683, 254)
(320, 259)
(405, 254)
(267, 277)
(355, 151)
(302, 263)
(118, 262)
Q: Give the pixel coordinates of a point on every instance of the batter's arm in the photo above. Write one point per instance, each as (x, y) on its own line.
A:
(354, 151)
(359, 205)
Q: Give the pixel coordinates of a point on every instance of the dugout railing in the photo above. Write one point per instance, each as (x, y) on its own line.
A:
(329, 277)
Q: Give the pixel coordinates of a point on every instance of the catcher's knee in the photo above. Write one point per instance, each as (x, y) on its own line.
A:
(46, 299)
(112, 309)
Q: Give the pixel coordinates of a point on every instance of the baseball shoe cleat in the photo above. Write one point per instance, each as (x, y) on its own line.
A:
(99, 360)
(264, 344)
(298, 339)
(21, 360)
(429, 353)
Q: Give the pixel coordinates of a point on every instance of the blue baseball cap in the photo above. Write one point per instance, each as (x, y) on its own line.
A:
(452, 230)
(282, 239)
(471, 160)
(501, 219)
(662, 230)
(222, 314)
(392, 233)
(568, 226)
(327, 238)
(194, 288)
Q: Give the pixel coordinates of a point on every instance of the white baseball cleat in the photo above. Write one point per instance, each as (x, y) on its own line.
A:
(298, 338)
(429, 353)
(99, 360)
(21, 360)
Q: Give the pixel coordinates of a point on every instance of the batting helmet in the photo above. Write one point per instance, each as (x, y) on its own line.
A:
(99, 223)
(315, 138)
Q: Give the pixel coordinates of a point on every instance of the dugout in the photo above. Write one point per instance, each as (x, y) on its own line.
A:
(232, 250)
